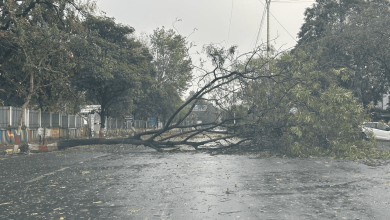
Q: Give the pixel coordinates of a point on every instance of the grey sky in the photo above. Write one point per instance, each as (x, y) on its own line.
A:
(213, 19)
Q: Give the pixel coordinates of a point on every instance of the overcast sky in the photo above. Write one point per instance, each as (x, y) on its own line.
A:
(228, 22)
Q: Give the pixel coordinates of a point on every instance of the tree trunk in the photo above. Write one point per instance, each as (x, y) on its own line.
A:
(21, 118)
(102, 122)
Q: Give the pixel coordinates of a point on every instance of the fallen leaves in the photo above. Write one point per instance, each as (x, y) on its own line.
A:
(6, 203)
(98, 202)
(85, 172)
(133, 210)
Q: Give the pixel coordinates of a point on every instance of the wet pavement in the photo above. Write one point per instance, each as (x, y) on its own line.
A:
(128, 182)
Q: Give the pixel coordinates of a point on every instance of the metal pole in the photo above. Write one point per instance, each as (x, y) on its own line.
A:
(268, 54)
(268, 48)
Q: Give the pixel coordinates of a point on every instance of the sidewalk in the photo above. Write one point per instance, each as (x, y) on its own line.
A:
(33, 147)
(6, 149)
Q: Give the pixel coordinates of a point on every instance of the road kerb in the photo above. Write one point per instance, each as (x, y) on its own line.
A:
(35, 148)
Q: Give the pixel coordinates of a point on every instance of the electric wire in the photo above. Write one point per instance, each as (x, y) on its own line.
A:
(261, 25)
(278, 20)
(230, 23)
(259, 30)
(284, 28)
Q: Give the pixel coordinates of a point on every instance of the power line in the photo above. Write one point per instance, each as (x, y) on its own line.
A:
(261, 25)
(279, 22)
(230, 23)
(284, 28)
(256, 37)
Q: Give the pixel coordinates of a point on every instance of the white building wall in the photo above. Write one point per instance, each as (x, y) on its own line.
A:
(384, 103)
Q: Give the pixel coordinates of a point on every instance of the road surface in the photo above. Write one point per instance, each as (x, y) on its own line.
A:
(128, 182)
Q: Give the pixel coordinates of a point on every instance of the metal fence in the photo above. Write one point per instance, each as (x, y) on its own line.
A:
(57, 125)
(33, 119)
(4, 121)
(45, 119)
(64, 121)
(72, 121)
(15, 115)
(55, 120)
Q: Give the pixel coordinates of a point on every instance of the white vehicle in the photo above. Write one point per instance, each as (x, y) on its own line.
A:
(381, 131)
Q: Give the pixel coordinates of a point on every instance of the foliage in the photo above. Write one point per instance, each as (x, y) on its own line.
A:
(284, 104)
(326, 117)
(171, 60)
(353, 36)
(325, 14)
(35, 41)
(113, 67)
(35, 58)
(157, 102)
(173, 68)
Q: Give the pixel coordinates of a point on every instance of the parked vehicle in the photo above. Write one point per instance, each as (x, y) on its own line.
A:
(381, 131)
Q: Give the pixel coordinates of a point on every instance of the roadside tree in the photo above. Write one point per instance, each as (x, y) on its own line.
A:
(113, 66)
(34, 50)
(292, 108)
(352, 37)
(173, 68)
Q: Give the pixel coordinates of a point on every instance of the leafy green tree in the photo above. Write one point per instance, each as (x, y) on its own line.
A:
(156, 102)
(324, 14)
(173, 69)
(171, 60)
(327, 117)
(352, 37)
(113, 66)
(293, 108)
(34, 52)
(363, 49)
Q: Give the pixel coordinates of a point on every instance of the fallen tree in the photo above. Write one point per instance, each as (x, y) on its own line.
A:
(284, 103)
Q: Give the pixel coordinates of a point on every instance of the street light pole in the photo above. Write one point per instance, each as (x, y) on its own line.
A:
(268, 2)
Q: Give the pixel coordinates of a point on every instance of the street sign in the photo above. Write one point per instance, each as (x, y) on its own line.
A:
(152, 121)
(87, 109)
(200, 108)
(129, 118)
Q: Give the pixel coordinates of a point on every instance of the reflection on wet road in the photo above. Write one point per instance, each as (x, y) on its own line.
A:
(137, 183)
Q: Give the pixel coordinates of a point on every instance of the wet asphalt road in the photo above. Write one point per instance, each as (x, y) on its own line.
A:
(113, 182)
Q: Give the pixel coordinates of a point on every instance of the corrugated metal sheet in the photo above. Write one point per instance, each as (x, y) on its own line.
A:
(45, 120)
(4, 116)
(55, 121)
(15, 116)
(33, 119)
(72, 121)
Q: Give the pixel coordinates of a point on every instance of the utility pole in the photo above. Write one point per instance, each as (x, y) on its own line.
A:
(270, 84)
(268, 2)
